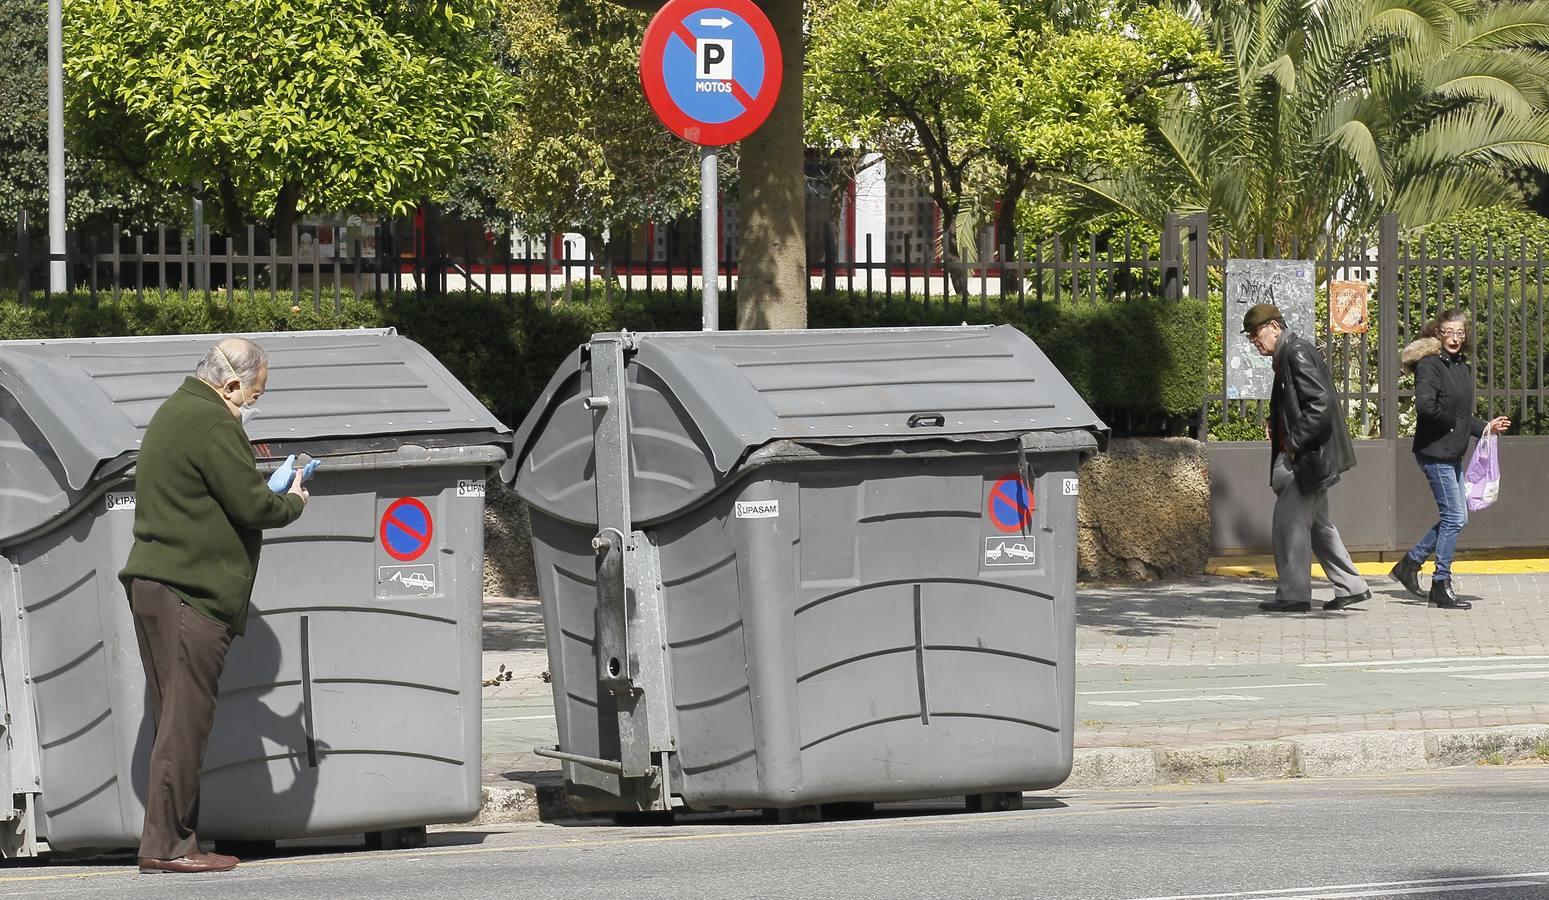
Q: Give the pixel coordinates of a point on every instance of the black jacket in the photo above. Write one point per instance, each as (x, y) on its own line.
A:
(1305, 416)
(1444, 402)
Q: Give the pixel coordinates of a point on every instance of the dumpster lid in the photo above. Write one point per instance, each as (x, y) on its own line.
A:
(734, 391)
(91, 398)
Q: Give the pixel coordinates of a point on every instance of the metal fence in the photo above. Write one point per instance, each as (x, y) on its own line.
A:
(397, 256)
(1411, 278)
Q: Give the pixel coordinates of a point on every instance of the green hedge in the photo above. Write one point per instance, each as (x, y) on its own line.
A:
(1139, 361)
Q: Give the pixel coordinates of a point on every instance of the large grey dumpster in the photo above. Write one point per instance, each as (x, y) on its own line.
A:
(352, 703)
(789, 568)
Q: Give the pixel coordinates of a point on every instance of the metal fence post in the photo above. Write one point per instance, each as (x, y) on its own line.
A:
(1199, 257)
(1172, 259)
(23, 288)
(1387, 324)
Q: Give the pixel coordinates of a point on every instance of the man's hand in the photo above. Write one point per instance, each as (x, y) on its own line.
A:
(1499, 424)
(299, 491)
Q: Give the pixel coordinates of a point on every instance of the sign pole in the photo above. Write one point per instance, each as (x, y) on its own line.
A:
(709, 234)
(56, 149)
(711, 71)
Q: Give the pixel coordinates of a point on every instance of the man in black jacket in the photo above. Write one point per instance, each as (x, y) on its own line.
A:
(1309, 449)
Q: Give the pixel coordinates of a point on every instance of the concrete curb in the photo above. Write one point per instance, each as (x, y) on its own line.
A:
(1305, 756)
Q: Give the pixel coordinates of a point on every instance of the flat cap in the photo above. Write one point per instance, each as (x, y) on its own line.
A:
(1258, 315)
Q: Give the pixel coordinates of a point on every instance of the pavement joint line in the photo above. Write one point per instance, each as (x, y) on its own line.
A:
(1405, 662)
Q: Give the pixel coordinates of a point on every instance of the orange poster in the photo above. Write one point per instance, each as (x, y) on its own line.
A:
(1347, 302)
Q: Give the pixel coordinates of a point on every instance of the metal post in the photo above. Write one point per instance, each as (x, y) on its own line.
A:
(199, 271)
(1387, 323)
(56, 149)
(709, 236)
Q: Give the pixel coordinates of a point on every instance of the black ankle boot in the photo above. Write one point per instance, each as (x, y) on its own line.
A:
(1442, 596)
(1407, 573)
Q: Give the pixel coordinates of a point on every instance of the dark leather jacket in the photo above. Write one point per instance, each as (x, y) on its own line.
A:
(1305, 416)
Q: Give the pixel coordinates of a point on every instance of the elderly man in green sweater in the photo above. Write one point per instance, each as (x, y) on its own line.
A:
(200, 510)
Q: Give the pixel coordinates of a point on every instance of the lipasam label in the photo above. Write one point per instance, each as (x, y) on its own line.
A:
(758, 509)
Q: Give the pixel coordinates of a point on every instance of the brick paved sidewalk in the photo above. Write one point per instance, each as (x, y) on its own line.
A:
(1390, 663)
(1195, 662)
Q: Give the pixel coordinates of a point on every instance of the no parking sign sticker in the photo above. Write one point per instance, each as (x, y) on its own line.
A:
(1010, 505)
(406, 529)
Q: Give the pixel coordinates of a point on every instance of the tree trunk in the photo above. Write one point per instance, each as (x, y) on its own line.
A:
(1006, 228)
(772, 263)
(231, 214)
(285, 209)
(951, 260)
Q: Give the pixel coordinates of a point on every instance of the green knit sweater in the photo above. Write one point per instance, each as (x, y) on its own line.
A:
(201, 506)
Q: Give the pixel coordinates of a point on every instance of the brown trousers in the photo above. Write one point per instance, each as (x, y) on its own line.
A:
(184, 653)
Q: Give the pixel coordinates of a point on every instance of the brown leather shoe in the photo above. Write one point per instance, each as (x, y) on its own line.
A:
(193, 862)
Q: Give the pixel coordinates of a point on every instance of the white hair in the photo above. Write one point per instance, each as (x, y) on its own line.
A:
(232, 357)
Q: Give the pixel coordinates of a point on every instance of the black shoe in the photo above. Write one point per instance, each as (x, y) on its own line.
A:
(1353, 599)
(1291, 606)
(1407, 573)
(1442, 596)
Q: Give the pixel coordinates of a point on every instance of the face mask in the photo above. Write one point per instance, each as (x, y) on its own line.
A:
(247, 411)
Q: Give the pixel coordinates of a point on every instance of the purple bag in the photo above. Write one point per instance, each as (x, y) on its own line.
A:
(1482, 481)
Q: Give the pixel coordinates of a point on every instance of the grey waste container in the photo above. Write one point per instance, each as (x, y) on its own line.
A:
(790, 568)
(352, 703)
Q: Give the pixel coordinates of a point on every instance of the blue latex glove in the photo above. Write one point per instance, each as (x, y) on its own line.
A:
(279, 482)
(308, 469)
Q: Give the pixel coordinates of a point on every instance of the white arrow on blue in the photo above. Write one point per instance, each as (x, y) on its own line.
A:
(721, 22)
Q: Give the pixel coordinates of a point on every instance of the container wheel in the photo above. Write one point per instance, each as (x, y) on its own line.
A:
(396, 838)
(860, 809)
(794, 815)
(660, 818)
(998, 801)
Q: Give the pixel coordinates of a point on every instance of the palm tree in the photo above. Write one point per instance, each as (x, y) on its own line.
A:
(1328, 114)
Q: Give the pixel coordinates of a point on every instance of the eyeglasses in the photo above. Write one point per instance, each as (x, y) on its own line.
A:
(1454, 332)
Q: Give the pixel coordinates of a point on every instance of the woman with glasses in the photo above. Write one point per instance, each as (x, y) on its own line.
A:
(1444, 404)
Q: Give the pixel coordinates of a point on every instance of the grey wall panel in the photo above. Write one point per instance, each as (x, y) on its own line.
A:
(1384, 504)
(1519, 518)
(1242, 504)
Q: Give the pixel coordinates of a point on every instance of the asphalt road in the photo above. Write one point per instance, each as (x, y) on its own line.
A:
(1467, 833)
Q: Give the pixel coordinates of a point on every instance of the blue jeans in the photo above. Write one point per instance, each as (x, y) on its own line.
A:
(1446, 478)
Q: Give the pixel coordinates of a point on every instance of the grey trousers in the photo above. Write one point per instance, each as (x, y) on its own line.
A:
(1302, 530)
(183, 653)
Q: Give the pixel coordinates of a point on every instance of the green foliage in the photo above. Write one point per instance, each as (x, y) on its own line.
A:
(282, 105)
(78, 315)
(89, 198)
(580, 147)
(1016, 96)
(1135, 359)
(1328, 115)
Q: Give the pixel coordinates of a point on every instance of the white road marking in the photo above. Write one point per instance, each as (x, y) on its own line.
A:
(1507, 676)
(1410, 892)
(1410, 662)
(1387, 888)
(1233, 687)
(520, 718)
(1202, 698)
(1447, 670)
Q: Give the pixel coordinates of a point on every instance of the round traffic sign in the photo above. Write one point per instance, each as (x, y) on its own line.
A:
(1010, 505)
(406, 529)
(711, 69)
